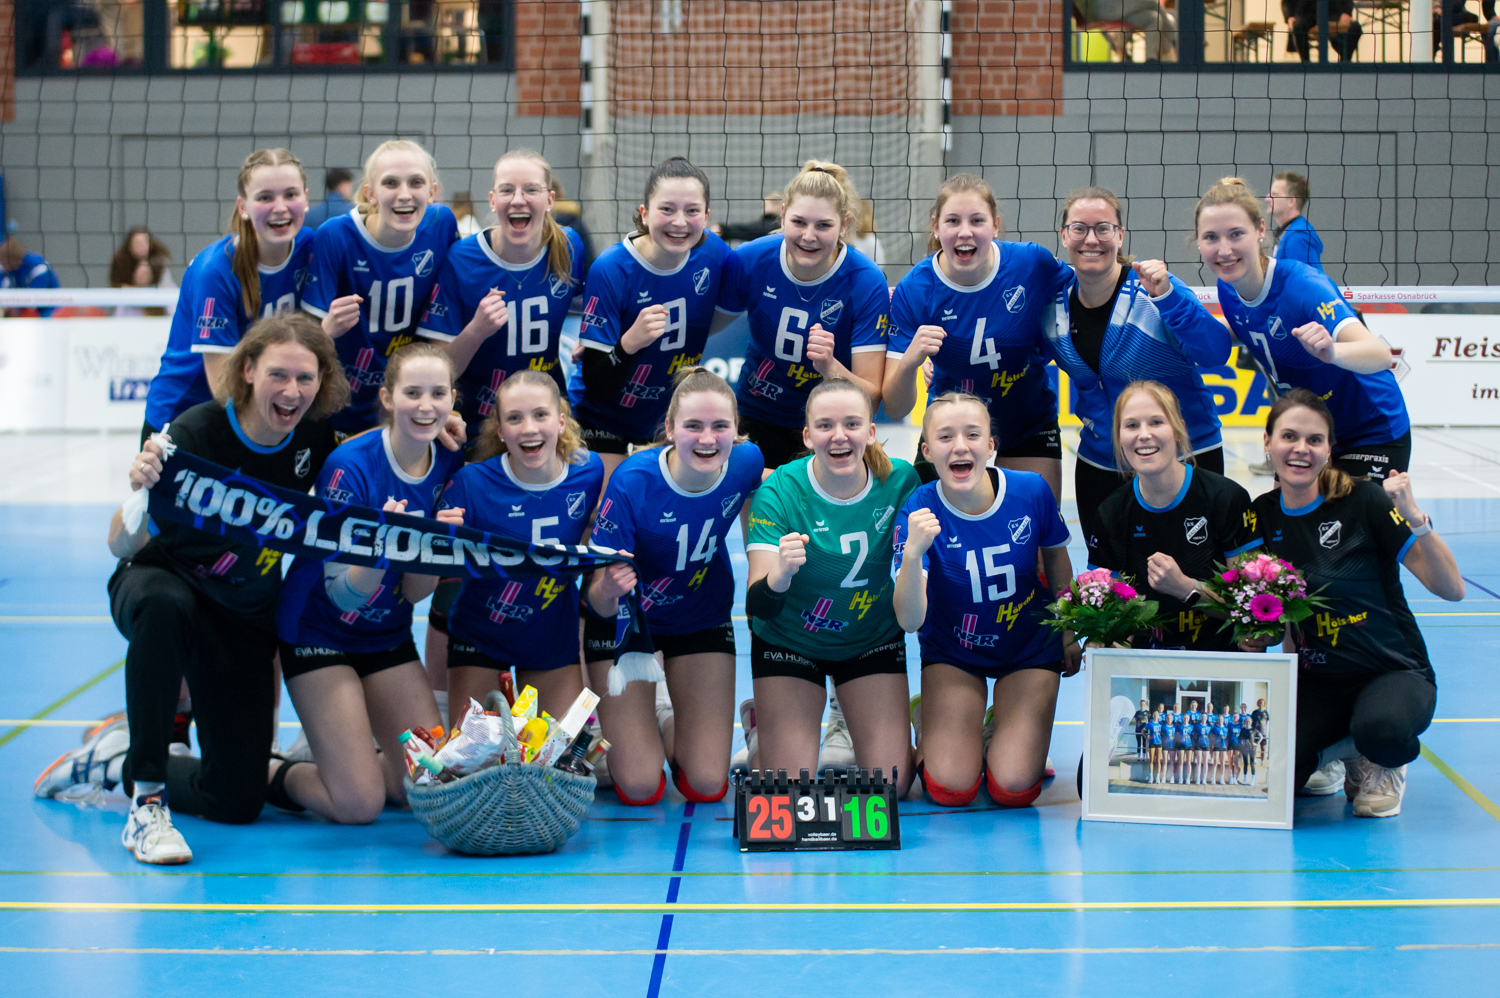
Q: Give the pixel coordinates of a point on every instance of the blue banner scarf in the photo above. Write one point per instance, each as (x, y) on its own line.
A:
(214, 499)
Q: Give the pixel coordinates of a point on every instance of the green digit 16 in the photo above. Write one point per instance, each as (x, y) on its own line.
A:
(875, 818)
(852, 806)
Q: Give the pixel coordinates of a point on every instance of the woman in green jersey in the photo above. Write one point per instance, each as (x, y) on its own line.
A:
(819, 602)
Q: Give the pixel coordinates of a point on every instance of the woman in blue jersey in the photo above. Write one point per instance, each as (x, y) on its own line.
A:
(1157, 765)
(374, 270)
(650, 302)
(345, 631)
(1116, 322)
(259, 269)
(967, 549)
(672, 507)
(1302, 333)
(818, 309)
(503, 293)
(975, 307)
(533, 480)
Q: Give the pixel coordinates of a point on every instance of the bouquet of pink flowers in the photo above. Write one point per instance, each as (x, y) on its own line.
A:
(1102, 608)
(1261, 594)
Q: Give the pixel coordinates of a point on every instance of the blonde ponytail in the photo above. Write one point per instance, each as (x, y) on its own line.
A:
(559, 252)
(1233, 191)
(876, 458)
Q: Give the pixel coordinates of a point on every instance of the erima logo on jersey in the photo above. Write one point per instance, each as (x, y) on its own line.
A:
(422, 263)
(642, 297)
(575, 505)
(770, 292)
(1330, 533)
(953, 541)
(831, 311)
(1140, 531)
(820, 526)
(882, 516)
(558, 287)
(362, 267)
(1015, 298)
(948, 313)
(700, 281)
(1196, 528)
(303, 463)
(1020, 530)
(517, 511)
(668, 517)
(730, 505)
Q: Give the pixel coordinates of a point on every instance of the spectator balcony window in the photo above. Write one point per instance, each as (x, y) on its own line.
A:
(84, 36)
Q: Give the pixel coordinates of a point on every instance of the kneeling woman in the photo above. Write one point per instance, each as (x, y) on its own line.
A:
(535, 481)
(345, 630)
(672, 507)
(820, 546)
(967, 547)
(1365, 672)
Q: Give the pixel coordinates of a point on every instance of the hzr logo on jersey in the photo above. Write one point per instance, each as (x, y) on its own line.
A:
(358, 372)
(487, 395)
(636, 388)
(1329, 533)
(422, 263)
(224, 564)
(208, 322)
(575, 505)
(656, 594)
(434, 310)
(700, 281)
(757, 384)
(731, 505)
(373, 616)
(967, 386)
(504, 605)
(591, 316)
(332, 490)
(816, 619)
(1020, 530)
(969, 637)
(1196, 529)
(602, 521)
(831, 311)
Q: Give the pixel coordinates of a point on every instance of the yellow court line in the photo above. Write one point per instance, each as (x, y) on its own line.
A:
(82, 687)
(944, 951)
(1468, 788)
(744, 908)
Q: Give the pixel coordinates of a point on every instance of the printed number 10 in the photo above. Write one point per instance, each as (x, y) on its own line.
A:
(876, 824)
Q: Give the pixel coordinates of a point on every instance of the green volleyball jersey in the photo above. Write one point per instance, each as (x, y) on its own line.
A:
(839, 603)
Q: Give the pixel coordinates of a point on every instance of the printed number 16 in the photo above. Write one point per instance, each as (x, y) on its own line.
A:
(876, 823)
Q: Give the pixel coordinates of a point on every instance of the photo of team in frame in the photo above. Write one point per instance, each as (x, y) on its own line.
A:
(1189, 736)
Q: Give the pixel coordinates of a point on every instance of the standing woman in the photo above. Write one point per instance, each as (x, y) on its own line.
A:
(1303, 333)
(374, 270)
(1173, 521)
(672, 507)
(1365, 671)
(651, 300)
(196, 606)
(817, 311)
(975, 307)
(345, 630)
(1117, 322)
(967, 550)
(532, 479)
(820, 549)
(258, 270)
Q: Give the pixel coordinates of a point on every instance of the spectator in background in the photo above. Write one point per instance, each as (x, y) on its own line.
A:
(338, 198)
(20, 269)
(744, 232)
(1148, 17)
(1296, 239)
(864, 234)
(141, 262)
(1484, 26)
(570, 214)
(1343, 30)
(463, 210)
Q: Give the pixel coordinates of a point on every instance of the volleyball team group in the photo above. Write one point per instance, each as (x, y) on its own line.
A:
(383, 362)
(1201, 746)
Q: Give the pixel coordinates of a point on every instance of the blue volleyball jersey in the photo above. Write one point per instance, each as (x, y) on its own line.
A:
(677, 537)
(1180, 735)
(1367, 408)
(1156, 339)
(984, 600)
(1221, 729)
(621, 283)
(536, 299)
(210, 318)
(851, 301)
(361, 472)
(1195, 716)
(1155, 728)
(1233, 734)
(395, 285)
(994, 343)
(532, 623)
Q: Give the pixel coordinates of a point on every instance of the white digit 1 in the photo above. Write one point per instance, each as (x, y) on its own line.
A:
(976, 589)
(830, 808)
(788, 343)
(1265, 345)
(845, 543)
(675, 335)
(682, 547)
(983, 349)
(394, 322)
(375, 307)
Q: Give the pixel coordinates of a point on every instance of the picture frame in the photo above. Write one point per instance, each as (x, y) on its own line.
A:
(1214, 779)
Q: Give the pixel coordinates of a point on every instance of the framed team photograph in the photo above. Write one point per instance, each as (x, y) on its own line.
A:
(1190, 738)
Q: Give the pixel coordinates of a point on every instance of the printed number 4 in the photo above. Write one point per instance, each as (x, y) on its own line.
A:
(983, 349)
(846, 542)
(990, 569)
(704, 550)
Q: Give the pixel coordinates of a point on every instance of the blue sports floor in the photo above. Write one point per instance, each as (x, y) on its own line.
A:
(659, 900)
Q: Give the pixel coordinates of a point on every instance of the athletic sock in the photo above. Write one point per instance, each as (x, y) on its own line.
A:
(145, 789)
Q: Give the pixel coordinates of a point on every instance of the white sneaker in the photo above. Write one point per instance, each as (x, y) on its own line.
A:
(914, 708)
(299, 750)
(663, 705)
(1355, 768)
(149, 834)
(97, 728)
(1328, 778)
(838, 747)
(741, 759)
(91, 762)
(1380, 792)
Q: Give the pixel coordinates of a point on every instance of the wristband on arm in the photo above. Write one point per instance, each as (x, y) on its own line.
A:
(762, 601)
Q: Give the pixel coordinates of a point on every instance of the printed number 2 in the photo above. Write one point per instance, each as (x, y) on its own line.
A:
(846, 542)
(990, 569)
(704, 550)
(778, 809)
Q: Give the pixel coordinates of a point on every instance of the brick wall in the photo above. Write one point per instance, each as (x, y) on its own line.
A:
(1007, 57)
(7, 60)
(547, 51)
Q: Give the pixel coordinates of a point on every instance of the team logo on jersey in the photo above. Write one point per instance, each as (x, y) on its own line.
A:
(361, 266)
(486, 396)
(359, 373)
(669, 517)
(517, 511)
(636, 388)
(1015, 298)
(575, 505)
(422, 262)
(656, 594)
(882, 516)
(1277, 331)
(831, 311)
(434, 308)
(953, 541)
(816, 619)
(969, 637)
(642, 297)
(1330, 533)
(756, 383)
(1140, 531)
(949, 315)
(302, 277)
(770, 293)
(1020, 530)
(1196, 529)
(1327, 310)
(591, 316)
(208, 322)
(558, 286)
(332, 490)
(731, 505)
(602, 521)
(700, 281)
(303, 462)
(1250, 519)
(504, 605)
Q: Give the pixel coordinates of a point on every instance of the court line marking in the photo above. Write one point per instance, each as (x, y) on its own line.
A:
(54, 723)
(83, 687)
(1468, 788)
(738, 908)
(944, 951)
